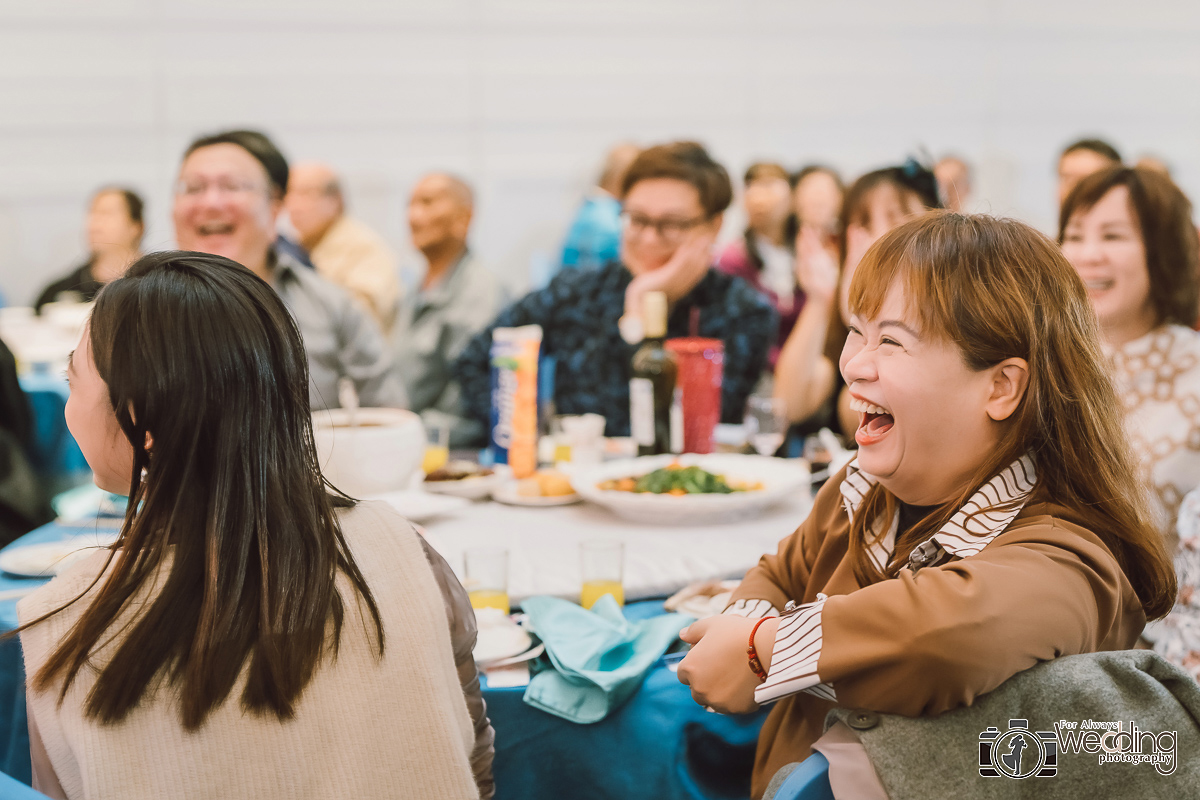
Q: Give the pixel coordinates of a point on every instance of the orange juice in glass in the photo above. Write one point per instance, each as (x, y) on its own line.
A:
(486, 578)
(437, 447)
(603, 565)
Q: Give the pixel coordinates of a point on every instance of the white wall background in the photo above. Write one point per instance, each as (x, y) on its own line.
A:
(523, 96)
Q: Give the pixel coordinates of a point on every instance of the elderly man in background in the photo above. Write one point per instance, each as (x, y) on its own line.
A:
(227, 197)
(456, 298)
(342, 249)
(594, 238)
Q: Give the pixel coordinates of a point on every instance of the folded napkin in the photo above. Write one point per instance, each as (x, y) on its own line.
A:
(599, 657)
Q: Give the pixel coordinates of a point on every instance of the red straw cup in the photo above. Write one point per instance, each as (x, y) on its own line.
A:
(701, 368)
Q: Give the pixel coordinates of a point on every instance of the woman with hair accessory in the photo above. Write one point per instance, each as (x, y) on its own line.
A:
(253, 632)
(990, 521)
(1129, 234)
(805, 373)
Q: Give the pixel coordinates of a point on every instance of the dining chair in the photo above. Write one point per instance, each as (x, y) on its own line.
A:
(806, 780)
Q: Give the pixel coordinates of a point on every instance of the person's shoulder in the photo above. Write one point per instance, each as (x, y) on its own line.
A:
(1182, 341)
(351, 231)
(318, 289)
(65, 587)
(1046, 522)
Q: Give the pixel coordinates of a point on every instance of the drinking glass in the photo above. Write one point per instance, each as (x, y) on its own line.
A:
(766, 424)
(485, 577)
(603, 563)
(437, 447)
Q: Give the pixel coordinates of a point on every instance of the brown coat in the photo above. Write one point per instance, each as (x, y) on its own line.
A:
(924, 643)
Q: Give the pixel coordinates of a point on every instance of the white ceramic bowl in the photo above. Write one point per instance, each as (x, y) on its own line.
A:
(781, 479)
(380, 455)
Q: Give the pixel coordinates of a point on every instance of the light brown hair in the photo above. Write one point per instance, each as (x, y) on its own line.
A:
(998, 289)
(1164, 218)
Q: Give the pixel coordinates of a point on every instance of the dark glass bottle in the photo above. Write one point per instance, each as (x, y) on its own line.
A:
(652, 385)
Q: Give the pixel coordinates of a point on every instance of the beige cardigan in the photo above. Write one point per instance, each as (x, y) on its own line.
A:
(364, 727)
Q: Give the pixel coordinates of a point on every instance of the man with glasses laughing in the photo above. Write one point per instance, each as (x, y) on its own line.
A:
(229, 192)
(673, 197)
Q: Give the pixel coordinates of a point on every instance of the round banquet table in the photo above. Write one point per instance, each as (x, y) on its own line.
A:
(659, 744)
(543, 545)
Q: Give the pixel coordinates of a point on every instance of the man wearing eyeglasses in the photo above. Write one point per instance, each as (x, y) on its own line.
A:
(229, 192)
(673, 198)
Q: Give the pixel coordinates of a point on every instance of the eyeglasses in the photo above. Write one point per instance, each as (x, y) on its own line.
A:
(669, 229)
(224, 187)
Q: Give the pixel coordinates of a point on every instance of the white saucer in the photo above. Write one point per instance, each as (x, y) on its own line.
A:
(507, 494)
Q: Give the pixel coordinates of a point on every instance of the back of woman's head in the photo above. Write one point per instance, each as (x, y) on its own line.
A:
(998, 289)
(1163, 215)
(207, 376)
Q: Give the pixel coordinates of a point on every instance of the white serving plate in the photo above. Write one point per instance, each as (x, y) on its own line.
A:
(421, 506)
(782, 480)
(507, 493)
(46, 559)
(470, 488)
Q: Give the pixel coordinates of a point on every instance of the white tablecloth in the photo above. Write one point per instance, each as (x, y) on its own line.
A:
(543, 545)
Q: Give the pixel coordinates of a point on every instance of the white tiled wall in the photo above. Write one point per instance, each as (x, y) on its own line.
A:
(522, 97)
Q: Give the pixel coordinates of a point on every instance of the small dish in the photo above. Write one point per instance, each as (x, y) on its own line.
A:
(421, 506)
(507, 494)
(499, 637)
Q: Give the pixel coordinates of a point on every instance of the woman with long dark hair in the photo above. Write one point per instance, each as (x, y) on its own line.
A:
(253, 632)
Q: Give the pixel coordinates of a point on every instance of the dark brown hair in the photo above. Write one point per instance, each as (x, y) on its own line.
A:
(233, 518)
(133, 202)
(257, 144)
(758, 171)
(1097, 146)
(998, 289)
(911, 179)
(1164, 218)
(688, 162)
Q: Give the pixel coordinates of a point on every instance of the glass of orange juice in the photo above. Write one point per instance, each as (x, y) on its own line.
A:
(486, 578)
(437, 447)
(603, 563)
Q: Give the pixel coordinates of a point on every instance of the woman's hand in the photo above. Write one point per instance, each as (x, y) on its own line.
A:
(816, 268)
(686, 268)
(717, 669)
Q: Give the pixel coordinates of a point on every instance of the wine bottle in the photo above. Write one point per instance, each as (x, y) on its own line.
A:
(652, 385)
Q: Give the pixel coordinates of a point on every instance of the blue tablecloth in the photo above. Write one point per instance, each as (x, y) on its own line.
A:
(658, 745)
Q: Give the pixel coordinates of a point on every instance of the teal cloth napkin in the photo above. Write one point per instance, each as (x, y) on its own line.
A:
(599, 657)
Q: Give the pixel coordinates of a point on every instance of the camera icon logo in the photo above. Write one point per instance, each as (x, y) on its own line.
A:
(1018, 752)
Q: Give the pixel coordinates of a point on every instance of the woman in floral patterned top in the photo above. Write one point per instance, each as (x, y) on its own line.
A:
(1129, 234)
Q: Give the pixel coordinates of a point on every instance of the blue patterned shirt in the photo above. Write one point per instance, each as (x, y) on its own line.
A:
(578, 312)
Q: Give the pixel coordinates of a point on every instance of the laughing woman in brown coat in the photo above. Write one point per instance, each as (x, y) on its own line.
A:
(992, 519)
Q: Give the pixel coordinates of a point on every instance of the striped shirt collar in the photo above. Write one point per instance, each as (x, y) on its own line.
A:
(968, 531)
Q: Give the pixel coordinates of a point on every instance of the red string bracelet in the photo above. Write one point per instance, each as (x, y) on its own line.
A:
(755, 664)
